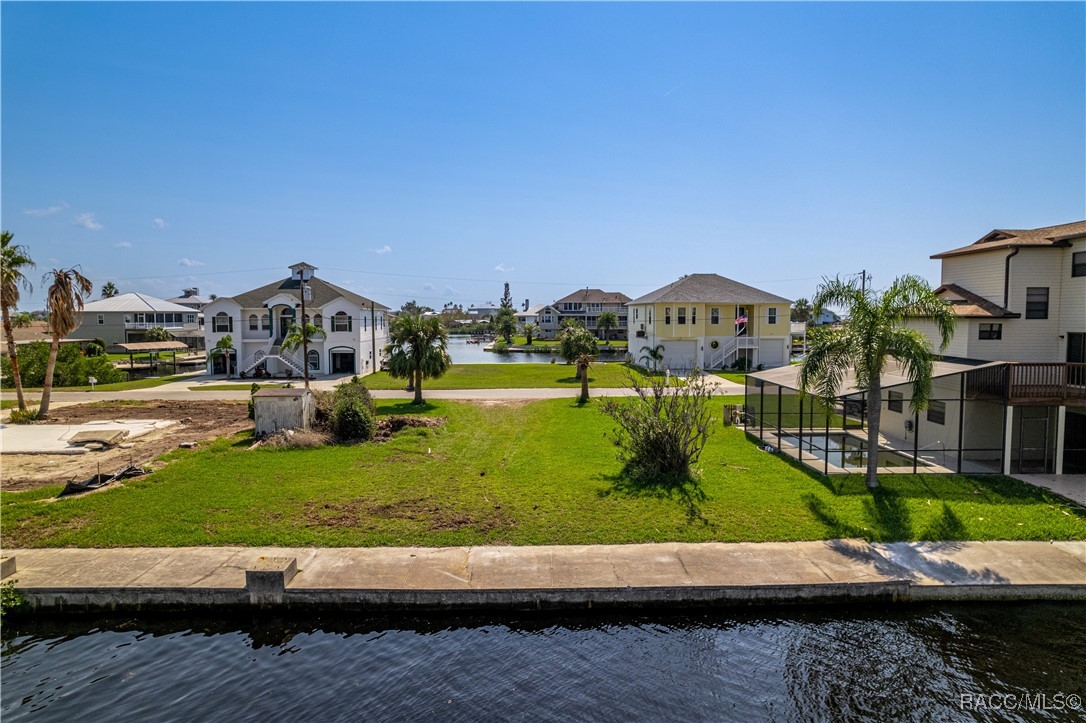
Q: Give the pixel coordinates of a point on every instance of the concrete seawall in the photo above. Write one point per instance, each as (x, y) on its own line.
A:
(546, 577)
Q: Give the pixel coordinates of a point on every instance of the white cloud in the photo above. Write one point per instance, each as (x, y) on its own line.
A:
(503, 268)
(189, 262)
(450, 291)
(428, 287)
(160, 223)
(87, 221)
(50, 211)
(122, 245)
(383, 250)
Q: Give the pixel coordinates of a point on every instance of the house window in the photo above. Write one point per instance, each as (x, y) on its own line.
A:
(590, 321)
(222, 322)
(667, 314)
(341, 322)
(318, 321)
(650, 316)
(693, 315)
(937, 412)
(771, 315)
(252, 322)
(1037, 302)
(190, 318)
(314, 360)
(682, 314)
(365, 324)
(595, 307)
(265, 322)
(1078, 263)
(714, 315)
(101, 318)
(894, 402)
(637, 313)
(622, 321)
(990, 331)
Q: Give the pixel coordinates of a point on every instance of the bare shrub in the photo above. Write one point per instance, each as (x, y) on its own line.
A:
(295, 439)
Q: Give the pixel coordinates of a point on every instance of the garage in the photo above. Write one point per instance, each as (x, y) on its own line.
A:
(680, 356)
(342, 361)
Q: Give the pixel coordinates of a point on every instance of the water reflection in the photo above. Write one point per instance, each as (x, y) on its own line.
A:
(908, 663)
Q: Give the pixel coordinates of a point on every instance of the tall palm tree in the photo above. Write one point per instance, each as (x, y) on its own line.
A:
(109, 290)
(299, 335)
(583, 362)
(418, 348)
(874, 332)
(529, 332)
(605, 322)
(13, 260)
(65, 301)
(654, 354)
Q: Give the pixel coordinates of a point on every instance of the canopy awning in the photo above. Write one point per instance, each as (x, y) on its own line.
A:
(142, 347)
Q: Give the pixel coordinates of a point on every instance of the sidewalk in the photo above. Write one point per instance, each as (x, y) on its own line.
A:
(667, 574)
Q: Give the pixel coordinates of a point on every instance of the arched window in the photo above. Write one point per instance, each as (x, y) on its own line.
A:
(318, 321)
(265, 322)
(252, 322)
(222, 322)
(341, 322)
(314, 360)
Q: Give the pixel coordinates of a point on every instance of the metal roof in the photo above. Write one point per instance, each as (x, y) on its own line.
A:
(133, 302)
(892, 375)
(145, 346)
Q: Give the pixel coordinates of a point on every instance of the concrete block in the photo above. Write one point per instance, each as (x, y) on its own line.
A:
(267, 579)
(7, 566)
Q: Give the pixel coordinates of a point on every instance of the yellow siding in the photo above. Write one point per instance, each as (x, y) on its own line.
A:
(758, 324)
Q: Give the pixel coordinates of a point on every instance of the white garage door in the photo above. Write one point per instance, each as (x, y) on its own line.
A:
(772, 353)
(680, 356)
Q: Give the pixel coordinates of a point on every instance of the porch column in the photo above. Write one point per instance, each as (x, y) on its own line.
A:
(1061, 429)
(1007, 436)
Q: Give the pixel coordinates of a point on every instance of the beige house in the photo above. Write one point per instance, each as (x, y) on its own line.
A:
(586, 305)
(711, 322)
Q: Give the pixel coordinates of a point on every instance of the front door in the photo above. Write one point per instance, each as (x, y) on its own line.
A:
(286, 320)
(741, 321)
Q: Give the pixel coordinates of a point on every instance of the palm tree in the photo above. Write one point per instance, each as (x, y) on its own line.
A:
(873, 332)
(157, 333)
(583, 362)
(529, 332)
(654, 354)
(605, 322)
(225, 347)
(418, 348)
(13, 259)
(65, 301)
(109, 290)
(300, 336)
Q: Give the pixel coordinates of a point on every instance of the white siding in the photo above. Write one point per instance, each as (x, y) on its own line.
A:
(981, 273)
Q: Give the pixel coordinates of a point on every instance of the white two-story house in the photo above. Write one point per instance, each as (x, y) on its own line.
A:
(355, 328)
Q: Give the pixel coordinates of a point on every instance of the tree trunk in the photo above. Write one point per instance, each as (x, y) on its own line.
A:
(16, 375)
(584, 383)
(418, 386)
(47, 385)
(874, 417)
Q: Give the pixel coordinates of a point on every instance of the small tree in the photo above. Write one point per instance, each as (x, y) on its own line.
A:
(109, 290)
(65, 299)
(605, 322)
(418, 348)
(506, 320)
(224, 347)
(575, 341)
(529, 332)
(661, 431)
(157, 333)
(653, 354)
(300, 335)
(583, 362)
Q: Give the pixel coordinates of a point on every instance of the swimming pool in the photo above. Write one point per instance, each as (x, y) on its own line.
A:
(846, 451)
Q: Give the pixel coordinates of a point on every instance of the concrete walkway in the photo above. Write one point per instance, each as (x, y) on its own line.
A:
(1069, 486)
(668, 574)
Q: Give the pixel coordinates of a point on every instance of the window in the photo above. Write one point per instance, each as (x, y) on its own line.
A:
(937, 412)
(252, 322)
(595, 307)
(894, 402)
(990, 331)
(714, 315)
(571, 306)
(1078, 263)
(693, 315)
(771, 315)
(341, 322)
(314, 360)
(622, 321)
(265, 322)
(101, 318)
(318, 321)
(650, 316)
(222, 322)
(682, 314)
(1037, 302)
(590, 321)
(637, 313)
(190, 318)
(365, 324)
(667, 314)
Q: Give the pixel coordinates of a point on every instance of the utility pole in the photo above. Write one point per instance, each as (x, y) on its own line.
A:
(305, 331)
(373, 336)
(863, 281)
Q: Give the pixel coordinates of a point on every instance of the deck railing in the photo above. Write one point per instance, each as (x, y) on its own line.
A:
(1055, 383)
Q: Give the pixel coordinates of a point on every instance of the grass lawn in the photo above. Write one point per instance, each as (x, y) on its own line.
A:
(511, 376)
(552, 343)
(533, 473)
(245, 387)
(119, 386)
(738, 377)
(9, 403)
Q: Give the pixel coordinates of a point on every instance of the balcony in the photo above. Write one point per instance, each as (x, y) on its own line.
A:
(1030, 384)
(163, 324)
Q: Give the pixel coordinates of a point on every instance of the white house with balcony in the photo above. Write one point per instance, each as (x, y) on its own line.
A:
(257, 321)
(125, 319)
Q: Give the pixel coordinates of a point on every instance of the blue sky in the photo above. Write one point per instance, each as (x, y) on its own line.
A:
(434, 151)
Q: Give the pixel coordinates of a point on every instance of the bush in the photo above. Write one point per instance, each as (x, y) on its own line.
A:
(72, 368)
(352, 420)
(500, 347)
(18, 416)
(355, 389)
(323, 402)
(575, 341)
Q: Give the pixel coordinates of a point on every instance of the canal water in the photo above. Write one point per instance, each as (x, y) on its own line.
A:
(462, 352)
(922, 663)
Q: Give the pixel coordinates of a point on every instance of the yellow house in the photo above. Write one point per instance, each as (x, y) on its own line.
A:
(710, 322)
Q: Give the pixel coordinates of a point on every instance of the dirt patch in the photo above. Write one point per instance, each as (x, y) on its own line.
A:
(199, 421)
(387, 426)
(438, 517)
(488, 403)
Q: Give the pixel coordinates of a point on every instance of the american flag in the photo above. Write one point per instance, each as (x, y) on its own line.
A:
(742, 319)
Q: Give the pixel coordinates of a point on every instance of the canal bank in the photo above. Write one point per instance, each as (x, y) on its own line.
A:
(547, 577)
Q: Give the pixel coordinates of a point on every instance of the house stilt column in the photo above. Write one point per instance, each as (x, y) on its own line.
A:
(1008, 435)
(1061, 430)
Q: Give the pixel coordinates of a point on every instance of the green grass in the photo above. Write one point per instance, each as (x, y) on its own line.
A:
(511, 376)
(243, 387)
(737, 377)
(9, 403)
(552, 343)
(118, 386)
(536, 473)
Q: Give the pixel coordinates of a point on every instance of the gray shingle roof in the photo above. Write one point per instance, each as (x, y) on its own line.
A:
(703, 288)
(595, 296)
(323, 293)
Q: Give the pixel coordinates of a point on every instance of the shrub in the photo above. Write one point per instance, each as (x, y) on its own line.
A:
(662, 430)
(72, 367)
(95, 349)
(352, 420)
(355, 389)
(18, 416)
(499, 347)
(575, 341)
(323, 402)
